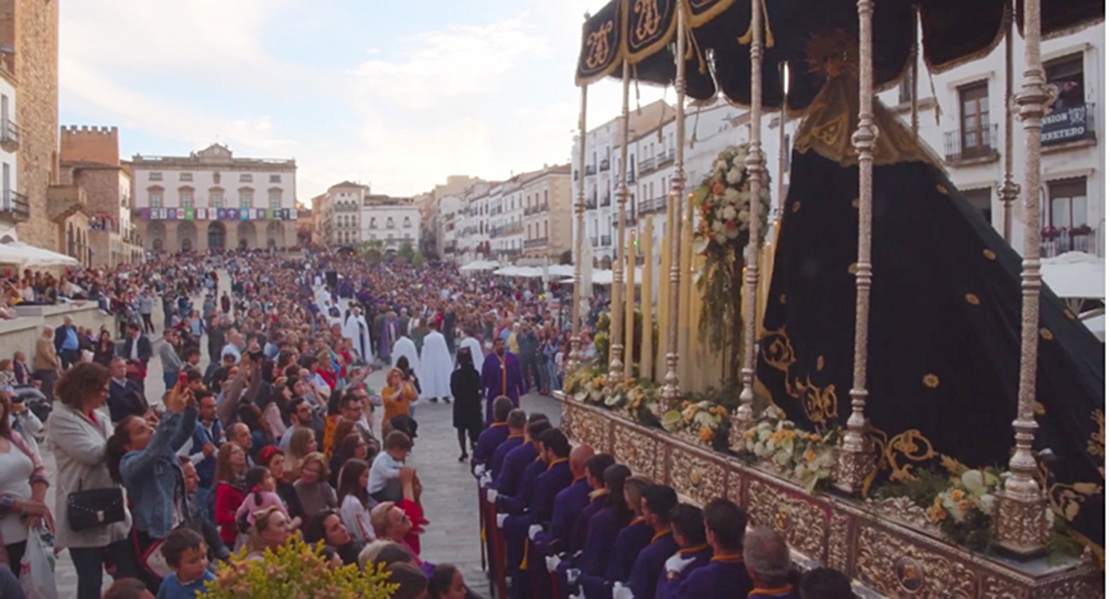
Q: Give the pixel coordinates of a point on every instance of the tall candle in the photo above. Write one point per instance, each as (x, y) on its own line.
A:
(664, 300)
(646, 288)
(630, 304)
(684, 300)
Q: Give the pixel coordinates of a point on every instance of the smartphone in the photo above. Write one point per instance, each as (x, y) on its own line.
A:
(182, 381)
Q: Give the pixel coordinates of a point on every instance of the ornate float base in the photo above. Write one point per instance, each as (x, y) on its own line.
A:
(885, 555)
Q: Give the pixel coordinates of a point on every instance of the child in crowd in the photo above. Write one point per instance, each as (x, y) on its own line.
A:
(261, 494)
(385, 473)
(187, 554)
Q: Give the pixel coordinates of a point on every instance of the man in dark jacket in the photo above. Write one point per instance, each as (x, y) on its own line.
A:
(67, 343)
(125, 398)
(136, 346)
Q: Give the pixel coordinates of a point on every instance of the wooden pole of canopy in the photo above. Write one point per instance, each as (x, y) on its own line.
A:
(580, 210)
(616, 347)
(665, 293)
(755, 166)
(670, 392)
(630, 305)
(1021, 526)
(1008, 192)
(854, 461)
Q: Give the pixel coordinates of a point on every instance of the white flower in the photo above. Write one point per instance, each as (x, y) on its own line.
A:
(719, 237)
(720, 165)
(732, 195)
(733, 176)
(733, 234)
(746, 196)
(728, 213)
(987, 502)
(743, 216)
(738, 160)
(718, 227)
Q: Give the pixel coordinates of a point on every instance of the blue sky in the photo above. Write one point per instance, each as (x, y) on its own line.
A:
(396, 94)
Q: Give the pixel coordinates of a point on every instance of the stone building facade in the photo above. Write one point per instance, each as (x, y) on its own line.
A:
(89, 159)
(212, 200)
(30, 29)
(547, 213)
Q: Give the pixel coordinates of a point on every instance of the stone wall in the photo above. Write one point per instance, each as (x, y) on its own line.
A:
(90, 144)
(20, 334)
(31, 27)
(101, 185)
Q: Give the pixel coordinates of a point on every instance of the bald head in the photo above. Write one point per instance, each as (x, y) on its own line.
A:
(578, 457)
(240, 434)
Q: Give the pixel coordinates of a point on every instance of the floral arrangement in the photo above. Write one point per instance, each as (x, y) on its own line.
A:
(296, 570)
(723, 205)
(706, 419)
(804, 456)
(960, 503)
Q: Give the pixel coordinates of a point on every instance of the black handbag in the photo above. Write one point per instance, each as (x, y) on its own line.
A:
(95, 507)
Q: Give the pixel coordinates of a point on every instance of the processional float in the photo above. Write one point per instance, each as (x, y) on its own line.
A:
(935, 333)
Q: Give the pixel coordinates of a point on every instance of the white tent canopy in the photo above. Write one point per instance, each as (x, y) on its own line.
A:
(605, 277)
(479, 265)
(29, 256)
(1097, 325)
(1075, 275)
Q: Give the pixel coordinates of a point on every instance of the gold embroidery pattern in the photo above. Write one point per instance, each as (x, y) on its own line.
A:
(1067, 500)
(989, 255)
(931, 381)
(820, 363)
(910, 445)
(855, 203)
(598, 44)
(1096, 445)
(1046, 335)
(972, 299)
(647, 19)
(819, 403)
(782, 299)
(942, 189)
(796, 206)
(852, 268)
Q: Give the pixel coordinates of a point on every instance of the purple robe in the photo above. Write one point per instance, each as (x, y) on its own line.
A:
(498, 459)
(645, 572)
(582, 523)
(787, 592)
(489, 441)
(569, 504)
(502, 379)
(626, 548)
(666, 587)
(512, 469)
(391, 329)
(515, 504)
(598, 547)
(728, 573)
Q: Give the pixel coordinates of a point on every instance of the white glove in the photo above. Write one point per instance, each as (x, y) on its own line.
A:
(581, 594)
(479, 469)
(501, 520)
(552, 563)
(491, 495)
(676, 564)
(534, 530)
(622, 592)
(486, 479)
(572, 575)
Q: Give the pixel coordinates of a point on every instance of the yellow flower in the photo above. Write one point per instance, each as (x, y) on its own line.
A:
(964, 505)
(750, 433)
(706, 435)
(686, 404)
(957, 494)
(810, 455)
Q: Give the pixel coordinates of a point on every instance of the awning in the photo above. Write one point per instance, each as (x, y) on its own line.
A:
(478, 265)
(29, 256)
(1076, 275)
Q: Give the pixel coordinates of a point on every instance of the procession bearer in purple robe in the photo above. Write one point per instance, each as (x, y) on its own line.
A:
(688, 529)
(501, 376)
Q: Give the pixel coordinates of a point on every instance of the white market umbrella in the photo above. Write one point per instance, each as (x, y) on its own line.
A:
(35, 257)
(1075, 275)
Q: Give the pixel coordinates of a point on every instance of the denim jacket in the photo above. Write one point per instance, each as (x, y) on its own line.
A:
(152, 475)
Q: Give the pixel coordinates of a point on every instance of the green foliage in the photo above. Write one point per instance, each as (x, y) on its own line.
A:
(406, 252)
(296, 570)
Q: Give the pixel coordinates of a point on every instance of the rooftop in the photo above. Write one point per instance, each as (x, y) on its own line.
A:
(213, 155)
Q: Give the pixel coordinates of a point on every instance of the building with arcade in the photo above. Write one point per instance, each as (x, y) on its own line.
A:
(212, 200)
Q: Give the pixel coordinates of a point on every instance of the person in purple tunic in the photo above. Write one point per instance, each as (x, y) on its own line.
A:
(569, 503)
(555, 449)
(658, 500)
(825, 583)
(603, 528)
(501, 376)
(630, 540)
(688, 529)
(595, 477)
(492, 438)
(725, 523)
(516, 421)
(516, 461)
(767, 559)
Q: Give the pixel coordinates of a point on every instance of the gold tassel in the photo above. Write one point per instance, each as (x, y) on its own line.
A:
(524, 562)
(768, 37)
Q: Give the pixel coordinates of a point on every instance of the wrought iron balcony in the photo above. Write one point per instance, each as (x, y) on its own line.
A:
(538, 242)
(604, 165)
(606, 240)
(15, 206)
(1057, 240)
(647, 164)
(977, 145)
(593, 241)
(665, 158)
(1068, 123)
(591, 170)
(9, 135)
(607, 200)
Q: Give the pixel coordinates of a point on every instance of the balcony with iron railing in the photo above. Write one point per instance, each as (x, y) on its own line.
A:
(647, 164)
(653, 205)
(591, 202)
(971, 147)
(539, 242)
(15, 206)
(591, 170)
(9, 135)
(604, 165)
(606, 240)
(593, 241)
(607, 200)
(664, 158)
(631, 177)
(1058, 240)
(1068, 124)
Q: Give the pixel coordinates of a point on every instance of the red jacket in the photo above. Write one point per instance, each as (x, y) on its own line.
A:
(228, 500)
(416, 514)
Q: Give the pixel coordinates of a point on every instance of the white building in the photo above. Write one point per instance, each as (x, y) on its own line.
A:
(392, 221)
(339, 209)
(449, 223)
(473, 240)
(14, 207)
(964, 124)
(212, 200)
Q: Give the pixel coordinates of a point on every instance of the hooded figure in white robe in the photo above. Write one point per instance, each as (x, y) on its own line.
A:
(435, 365)
(405, 347)
(475, 351)
(357, 331)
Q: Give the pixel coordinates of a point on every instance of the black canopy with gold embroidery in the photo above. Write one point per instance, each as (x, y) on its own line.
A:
(642, 31)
